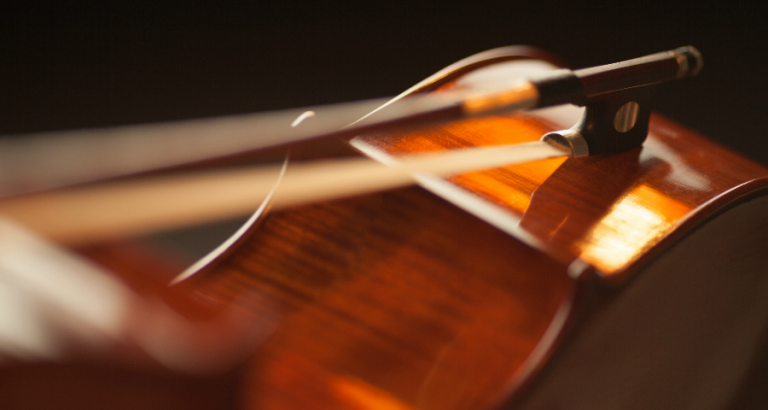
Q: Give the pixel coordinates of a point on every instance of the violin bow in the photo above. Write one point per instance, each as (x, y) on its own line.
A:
(618, 99)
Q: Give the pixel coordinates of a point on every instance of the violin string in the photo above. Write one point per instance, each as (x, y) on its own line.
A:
(126, 208)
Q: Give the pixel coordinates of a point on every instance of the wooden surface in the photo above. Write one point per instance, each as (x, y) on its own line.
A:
(397, 296)
(404, 299)
(608, 211)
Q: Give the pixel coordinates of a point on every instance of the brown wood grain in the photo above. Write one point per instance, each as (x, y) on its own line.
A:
(402, 299)
(608, 210)
(398, 293)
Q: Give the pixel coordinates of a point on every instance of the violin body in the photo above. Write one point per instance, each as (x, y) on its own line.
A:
(455, 294)
(634, 280)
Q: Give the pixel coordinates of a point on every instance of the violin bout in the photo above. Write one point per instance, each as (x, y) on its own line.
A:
(630, 280)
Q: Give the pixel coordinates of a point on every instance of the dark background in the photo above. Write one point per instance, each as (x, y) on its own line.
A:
(72, 64)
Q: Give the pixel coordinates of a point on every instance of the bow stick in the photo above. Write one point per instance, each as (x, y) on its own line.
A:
(618, 98)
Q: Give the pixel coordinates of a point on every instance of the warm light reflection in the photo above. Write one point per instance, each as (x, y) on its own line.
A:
(511, 186)
(363, 396)
(637, 222)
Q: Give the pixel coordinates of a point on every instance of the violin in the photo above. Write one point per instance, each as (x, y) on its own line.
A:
(614, 280)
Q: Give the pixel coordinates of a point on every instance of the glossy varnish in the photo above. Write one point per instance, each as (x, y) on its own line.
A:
(409, 300)
(403, 300)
